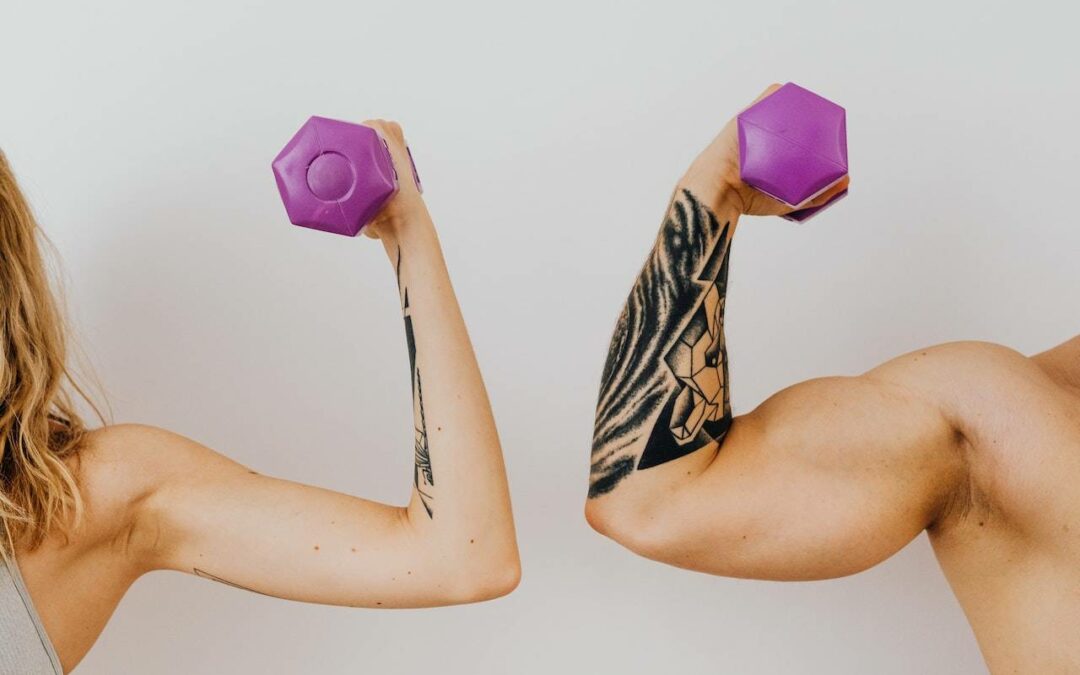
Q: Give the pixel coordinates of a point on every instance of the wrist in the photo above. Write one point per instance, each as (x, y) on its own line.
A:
(405, 231)
(717, 190)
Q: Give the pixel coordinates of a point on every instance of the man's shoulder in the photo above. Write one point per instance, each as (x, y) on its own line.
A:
(951, 373)
(984, 377)
(993, 396)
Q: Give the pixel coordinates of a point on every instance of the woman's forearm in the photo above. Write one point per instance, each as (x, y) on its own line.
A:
(461, 498)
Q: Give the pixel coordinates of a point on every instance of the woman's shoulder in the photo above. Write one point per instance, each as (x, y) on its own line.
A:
(118, 467)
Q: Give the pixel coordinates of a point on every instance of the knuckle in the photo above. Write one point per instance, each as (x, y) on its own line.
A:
(388, 129)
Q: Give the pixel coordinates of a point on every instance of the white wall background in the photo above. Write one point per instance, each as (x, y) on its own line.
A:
(548, 135)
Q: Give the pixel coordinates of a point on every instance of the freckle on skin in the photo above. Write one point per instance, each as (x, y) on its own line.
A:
(354, 549)
(472, 541)
(378, 603)
(980, 523)
(316, 547)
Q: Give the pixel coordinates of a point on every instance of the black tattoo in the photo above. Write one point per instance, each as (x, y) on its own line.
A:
(423, 478)
(666, 375)
(206, 575)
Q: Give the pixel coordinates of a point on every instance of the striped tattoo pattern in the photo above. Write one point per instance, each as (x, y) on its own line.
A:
(664, 390)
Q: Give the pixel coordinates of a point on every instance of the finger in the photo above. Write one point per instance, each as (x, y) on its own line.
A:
(768, 92)
(836, 189)
(394, 129)
(394, 136)
(387, 129)
(374, 124)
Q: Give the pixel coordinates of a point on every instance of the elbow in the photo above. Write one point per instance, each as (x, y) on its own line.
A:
(634, 513)
(491, 565)
(637, 528)
(485, 581)
(498, 580)
(600, 519)
(465, 568)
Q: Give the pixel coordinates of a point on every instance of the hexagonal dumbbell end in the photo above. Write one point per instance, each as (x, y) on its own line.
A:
(793, 147)
(334, 176)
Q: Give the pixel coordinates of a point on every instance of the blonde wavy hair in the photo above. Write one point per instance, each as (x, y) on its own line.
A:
(40, 429)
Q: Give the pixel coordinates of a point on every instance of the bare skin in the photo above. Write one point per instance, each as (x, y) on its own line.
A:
(159, 501)
(972, 442)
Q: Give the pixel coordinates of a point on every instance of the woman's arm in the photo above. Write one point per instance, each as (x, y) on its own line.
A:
(454, 542)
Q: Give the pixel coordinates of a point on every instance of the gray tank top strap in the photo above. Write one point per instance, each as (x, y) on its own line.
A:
(25, 648)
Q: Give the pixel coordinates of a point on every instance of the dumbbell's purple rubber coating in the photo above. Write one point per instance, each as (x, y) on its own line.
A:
(793, 147)
(335, 176)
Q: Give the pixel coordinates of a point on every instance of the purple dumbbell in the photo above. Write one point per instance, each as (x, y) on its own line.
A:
(335, 176)
(793, 147)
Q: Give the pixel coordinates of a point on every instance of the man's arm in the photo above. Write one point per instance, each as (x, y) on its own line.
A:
(823, 479)
(204, 514)
(664, 388)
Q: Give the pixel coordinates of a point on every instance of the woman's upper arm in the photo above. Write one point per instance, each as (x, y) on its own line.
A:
(204, 514)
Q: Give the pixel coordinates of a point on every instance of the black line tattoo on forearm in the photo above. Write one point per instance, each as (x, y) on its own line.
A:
(666, 375)
(423, 478)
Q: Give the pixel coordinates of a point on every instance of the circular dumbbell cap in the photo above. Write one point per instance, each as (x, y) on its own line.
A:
(334, 176)
(330, 176)
(793, 146)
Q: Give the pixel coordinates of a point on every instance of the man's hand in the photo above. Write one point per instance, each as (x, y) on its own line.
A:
(714, 176)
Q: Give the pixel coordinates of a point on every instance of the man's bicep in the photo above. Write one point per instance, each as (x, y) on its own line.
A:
(824, 479)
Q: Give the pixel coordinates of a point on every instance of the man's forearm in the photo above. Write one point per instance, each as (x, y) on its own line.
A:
(664, 392)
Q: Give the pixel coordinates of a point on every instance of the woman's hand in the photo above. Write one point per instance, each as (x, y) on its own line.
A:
(408, 202)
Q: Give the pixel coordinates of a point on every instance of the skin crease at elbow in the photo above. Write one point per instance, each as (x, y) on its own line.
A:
(675, 475)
